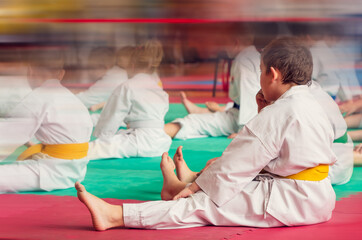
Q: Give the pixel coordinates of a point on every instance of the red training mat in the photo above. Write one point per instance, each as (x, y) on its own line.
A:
(55, 217)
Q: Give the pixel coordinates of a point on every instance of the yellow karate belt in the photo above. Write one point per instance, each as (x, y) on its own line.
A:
(62, 151)
(159, 83)
(317, 173)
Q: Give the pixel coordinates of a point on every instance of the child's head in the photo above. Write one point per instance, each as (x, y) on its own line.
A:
(285, 62)
(12, 62)
(310, 33)
(100, 60)
(45, 65)
(242, 35)
(124, 56)
(146, 58)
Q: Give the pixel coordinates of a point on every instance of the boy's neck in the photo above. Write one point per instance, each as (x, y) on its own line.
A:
(40, 80)
(283, 89)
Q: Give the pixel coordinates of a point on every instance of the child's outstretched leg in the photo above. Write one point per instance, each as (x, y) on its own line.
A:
(190, 106)
(171, 184)
(104, 215)
(172, 129)
(214, 107)
(183, 172)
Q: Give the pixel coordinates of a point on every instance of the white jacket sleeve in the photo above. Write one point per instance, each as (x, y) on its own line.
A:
(116, 109)
(249, 85)
(240, 163)
(14, 133)
(97, 93)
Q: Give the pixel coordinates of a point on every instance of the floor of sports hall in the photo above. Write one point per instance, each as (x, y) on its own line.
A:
(59, 214)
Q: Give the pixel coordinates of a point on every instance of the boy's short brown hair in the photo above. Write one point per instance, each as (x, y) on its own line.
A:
(125, 52)
(50, 60)
(291, 57)
(102, 57)
(148, 55)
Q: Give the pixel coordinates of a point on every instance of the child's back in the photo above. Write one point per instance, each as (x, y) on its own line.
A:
(142, 104)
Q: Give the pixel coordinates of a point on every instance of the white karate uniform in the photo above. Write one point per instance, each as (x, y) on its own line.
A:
(142, 104)
(12, 90)
(100, 91)
(327, 72)
(53, 115)
(285, 138)
(244, 85)
(347, 53)
(341, 171)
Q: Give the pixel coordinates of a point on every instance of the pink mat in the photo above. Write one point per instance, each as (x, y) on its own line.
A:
(54, 217)
(202, 100)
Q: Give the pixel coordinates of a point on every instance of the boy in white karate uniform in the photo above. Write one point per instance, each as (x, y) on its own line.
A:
(13, 84)
(341, 171)
(142, 104)
(274, 173)
(58, 120)
(244, 84)
(326, 66)
(107, 74)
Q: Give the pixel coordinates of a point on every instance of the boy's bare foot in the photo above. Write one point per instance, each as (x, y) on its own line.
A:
(190, 106)
(213, 106)
(184, 174)
(104, 215)
(171, 184)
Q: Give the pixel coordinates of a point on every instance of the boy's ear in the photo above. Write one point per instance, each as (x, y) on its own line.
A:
(275, 73)
(61, 74)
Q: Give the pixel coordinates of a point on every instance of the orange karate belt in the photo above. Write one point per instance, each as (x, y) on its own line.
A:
(62, 151)
(317, 173)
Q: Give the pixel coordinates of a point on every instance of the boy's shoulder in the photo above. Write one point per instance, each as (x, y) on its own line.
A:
(247, 52)
(248, 56)
(296, 105)
(116, 70)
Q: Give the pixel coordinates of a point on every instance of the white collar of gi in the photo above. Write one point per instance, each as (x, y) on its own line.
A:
(51, 83)
(142, 76)
(294, 90)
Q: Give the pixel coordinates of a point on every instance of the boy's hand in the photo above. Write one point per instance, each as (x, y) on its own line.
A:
(358, 148)
(260, 100)
(232, 136)
(188, 191)
(348, 107)
(211, 161)
(96, 107)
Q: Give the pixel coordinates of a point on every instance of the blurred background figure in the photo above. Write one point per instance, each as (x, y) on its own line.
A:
(13, 80)
(94, 36)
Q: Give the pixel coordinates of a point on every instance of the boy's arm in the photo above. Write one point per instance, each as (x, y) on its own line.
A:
(96, 93)
(98, 106)
(114, 112)
(14, 133)
(240, 163)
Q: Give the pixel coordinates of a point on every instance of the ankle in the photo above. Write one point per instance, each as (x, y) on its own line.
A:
(116, 217)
